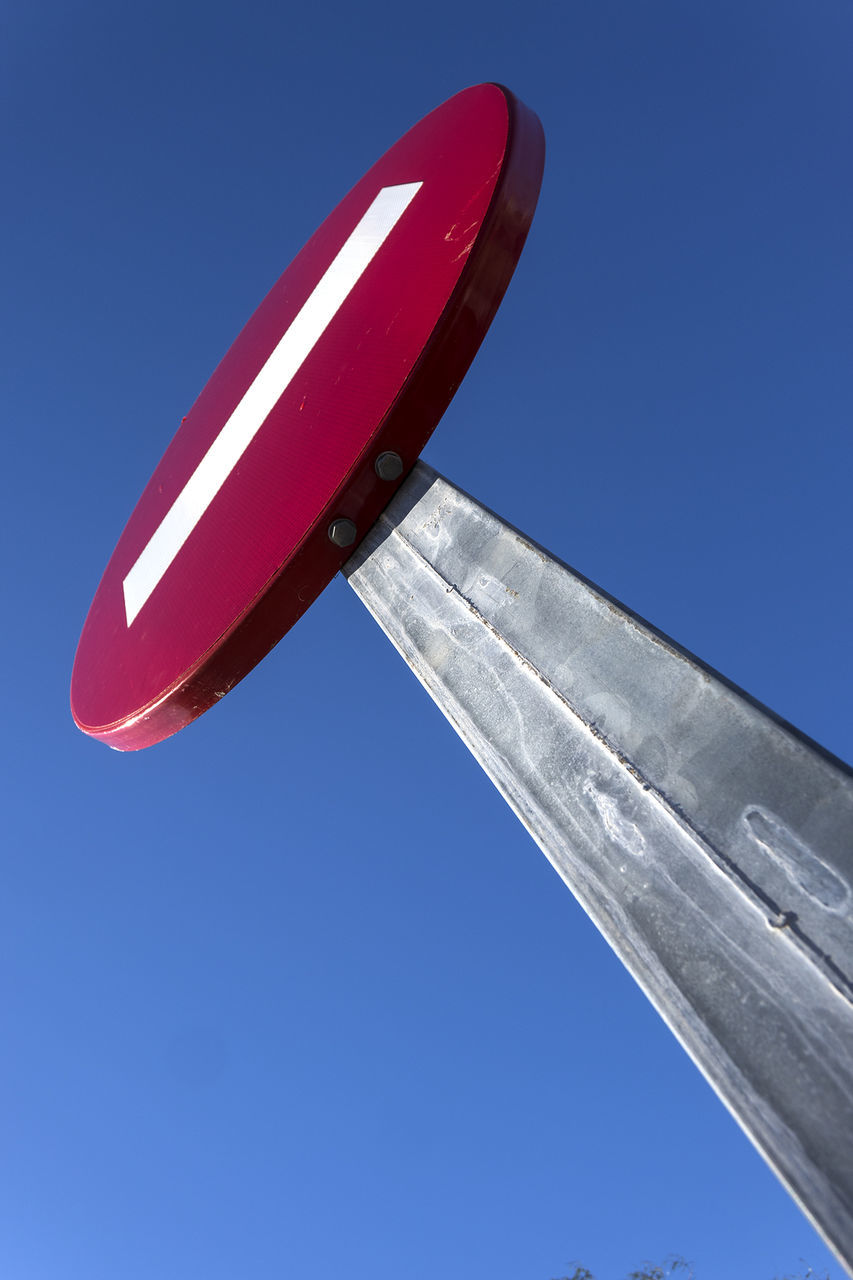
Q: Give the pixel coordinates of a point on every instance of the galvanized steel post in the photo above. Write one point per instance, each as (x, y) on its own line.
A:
(709, 841)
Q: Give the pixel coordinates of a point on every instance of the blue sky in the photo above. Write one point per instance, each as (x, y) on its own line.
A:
(293, 994)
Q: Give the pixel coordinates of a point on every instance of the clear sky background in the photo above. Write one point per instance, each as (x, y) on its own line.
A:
(274, 1009)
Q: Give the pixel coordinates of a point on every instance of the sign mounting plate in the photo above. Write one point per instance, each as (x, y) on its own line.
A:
(356, 352)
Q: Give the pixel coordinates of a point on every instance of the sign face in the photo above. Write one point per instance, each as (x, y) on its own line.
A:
(311, 421)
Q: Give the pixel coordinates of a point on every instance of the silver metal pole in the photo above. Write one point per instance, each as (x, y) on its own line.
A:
(709, 841)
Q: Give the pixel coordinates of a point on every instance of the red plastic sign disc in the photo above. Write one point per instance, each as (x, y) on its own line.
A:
(355, 352)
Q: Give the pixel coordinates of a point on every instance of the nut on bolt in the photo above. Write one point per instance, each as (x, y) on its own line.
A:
(388, 466)
(342, 532)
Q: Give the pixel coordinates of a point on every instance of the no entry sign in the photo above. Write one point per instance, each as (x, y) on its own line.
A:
(712, 849)
(310, 422)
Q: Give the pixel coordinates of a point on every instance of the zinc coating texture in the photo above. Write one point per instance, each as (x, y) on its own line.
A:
(711, 843)
(355, 352)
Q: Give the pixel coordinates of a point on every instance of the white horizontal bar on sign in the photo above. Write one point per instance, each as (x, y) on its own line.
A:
(264, 392)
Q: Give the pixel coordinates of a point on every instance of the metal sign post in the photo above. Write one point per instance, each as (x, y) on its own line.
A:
(710, 842)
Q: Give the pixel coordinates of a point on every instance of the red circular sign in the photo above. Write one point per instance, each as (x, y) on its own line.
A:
(275, 473)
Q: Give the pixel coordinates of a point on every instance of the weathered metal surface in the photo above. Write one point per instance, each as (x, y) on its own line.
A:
(709, 841)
